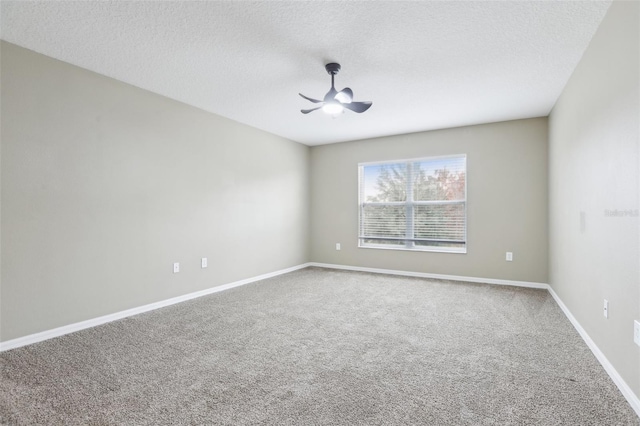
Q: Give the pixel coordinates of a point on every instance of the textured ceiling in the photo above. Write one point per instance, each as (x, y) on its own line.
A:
(425, 65)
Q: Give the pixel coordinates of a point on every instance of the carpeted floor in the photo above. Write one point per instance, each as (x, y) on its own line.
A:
(322, 347)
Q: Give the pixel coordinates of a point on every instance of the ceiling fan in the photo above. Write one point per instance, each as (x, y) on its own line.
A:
(335, 102)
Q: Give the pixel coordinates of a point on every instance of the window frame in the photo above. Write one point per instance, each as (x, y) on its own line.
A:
(410, 207)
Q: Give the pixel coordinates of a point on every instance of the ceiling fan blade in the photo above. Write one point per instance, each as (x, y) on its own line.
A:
(345, 96)
(315, 101)
(307, 111)
(358, 106)
(331, 95)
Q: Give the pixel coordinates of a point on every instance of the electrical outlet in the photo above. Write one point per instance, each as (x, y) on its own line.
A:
(606, 308)
(636, 332)
(509, 256)
(176, 268)
(203, 262)
(337, 246)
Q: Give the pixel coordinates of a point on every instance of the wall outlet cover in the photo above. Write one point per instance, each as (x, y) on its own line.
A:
(203, 262)
(176, 268)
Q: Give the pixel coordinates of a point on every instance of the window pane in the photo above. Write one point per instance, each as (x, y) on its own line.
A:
(440, 222)
(384, 221)
(442, 245)
(385, 243)
(439, 179)
(385, 183)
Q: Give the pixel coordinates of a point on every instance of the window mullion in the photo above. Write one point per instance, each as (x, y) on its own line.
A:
(409, 207)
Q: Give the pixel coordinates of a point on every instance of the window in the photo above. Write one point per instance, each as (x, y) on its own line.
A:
(418, 204)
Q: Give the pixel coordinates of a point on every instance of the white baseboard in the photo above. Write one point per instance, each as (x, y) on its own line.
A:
(60, 331)
(434, 276)
(631, 397)
(626, 391)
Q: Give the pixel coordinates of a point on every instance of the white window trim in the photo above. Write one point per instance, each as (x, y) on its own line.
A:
(453, 250)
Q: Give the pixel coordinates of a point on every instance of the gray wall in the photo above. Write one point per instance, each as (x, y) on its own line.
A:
(104, 186)
(506, 195)
(593, 162)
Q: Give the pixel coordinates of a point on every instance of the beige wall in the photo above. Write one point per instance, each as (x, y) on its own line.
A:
(104, 186)
(593, 162)
(506, 195)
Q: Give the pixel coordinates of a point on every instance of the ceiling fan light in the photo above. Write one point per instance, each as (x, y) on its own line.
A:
(343, 98)
(332, 108)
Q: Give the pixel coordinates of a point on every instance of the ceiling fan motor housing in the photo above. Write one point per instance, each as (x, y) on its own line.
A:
(332, 68)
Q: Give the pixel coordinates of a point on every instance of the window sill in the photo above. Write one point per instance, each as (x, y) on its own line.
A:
(425, 249)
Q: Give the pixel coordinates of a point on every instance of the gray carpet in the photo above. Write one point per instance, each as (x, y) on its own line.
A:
(326, 347)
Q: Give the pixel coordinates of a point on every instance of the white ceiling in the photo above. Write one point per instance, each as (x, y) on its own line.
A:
(425, 65)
